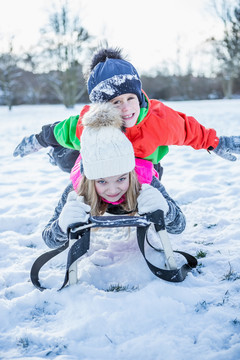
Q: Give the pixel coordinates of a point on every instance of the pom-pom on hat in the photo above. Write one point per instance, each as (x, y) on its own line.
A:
(113, 77)
(105, 149)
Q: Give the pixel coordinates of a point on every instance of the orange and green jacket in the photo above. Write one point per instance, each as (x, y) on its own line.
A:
(157, 127)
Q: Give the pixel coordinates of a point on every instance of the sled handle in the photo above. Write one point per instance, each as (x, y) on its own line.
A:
(73, 279)
(118, 221)
(168, 251)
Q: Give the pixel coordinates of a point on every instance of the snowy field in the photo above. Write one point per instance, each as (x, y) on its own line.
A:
(148, 319)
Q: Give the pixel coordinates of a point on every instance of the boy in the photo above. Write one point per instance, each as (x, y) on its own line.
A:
(149, 124)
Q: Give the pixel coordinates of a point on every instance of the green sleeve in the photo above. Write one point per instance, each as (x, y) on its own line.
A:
(158, 154)
(65, 133)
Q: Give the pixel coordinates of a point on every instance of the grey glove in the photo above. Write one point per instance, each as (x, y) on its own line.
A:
(27, 146)
(228, 145)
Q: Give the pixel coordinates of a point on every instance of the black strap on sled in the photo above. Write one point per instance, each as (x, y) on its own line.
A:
(176, 275)
(81, 232)
(78, 249)
(41, 261)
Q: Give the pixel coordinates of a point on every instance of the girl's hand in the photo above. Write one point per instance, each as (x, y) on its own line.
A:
(150, 200)
(74, 211)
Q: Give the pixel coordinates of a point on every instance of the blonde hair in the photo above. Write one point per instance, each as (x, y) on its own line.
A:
(87, 189)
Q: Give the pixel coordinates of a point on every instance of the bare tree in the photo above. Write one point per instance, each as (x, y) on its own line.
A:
(62, 42)
(68, 86)
(10, 76)
(227, 50)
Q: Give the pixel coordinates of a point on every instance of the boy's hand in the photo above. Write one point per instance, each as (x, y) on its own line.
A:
(228, 145)
(27, 146)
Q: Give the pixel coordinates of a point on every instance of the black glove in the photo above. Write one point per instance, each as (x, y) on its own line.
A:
(228, 145)
(27, 146)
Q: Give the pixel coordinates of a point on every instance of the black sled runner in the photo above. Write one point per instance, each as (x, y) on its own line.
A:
(79, 243)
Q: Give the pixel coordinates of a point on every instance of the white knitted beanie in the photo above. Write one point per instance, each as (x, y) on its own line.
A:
(105, 149)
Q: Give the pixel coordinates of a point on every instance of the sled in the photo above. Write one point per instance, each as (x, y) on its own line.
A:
(79, 243)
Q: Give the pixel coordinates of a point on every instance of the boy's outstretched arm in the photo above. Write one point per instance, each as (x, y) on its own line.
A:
(27, 146)
(58, 134)
(35, 142)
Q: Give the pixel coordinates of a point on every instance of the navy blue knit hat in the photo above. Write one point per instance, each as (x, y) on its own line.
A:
(112, 78)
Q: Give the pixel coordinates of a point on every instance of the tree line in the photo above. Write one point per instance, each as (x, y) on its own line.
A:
(24, 80)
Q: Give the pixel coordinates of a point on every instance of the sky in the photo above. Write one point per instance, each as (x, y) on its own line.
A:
(152, 33)
(150, 319)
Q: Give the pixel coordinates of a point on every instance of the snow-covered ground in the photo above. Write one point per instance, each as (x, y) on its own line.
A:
(149, 319)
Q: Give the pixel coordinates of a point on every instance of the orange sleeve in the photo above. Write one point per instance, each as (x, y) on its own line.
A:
(176, 128)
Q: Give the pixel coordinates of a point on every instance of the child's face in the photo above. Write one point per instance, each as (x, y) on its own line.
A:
(129, 108)
(112, 188)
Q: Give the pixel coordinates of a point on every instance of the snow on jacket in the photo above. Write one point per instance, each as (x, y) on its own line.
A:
(55, 237)
(157, 127)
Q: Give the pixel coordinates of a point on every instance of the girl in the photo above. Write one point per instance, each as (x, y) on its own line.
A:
(109, 180)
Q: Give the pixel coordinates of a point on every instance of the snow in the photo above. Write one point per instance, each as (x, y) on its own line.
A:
(149, 318)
